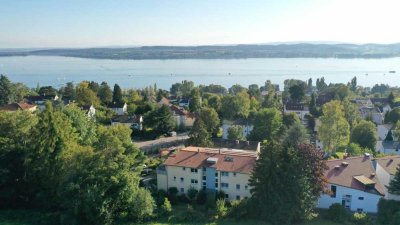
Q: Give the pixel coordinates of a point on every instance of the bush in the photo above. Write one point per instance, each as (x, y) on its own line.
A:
(388, 212)
(220, 195)
(172, 195)
(361, 219)
(189, 215)
(192, 193)
(201, 197)
(221, 209)
(159, 196)
(337, 213)
(183, 198)
(238, 209)
(166, 208)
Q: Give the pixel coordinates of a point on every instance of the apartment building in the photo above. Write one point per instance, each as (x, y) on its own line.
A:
(209, 169)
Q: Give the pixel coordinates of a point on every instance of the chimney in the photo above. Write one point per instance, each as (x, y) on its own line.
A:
(237, 142)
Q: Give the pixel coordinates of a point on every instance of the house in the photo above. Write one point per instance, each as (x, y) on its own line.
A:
(41, 100)
(386, 168)
(352, 182)
(90, 111)
(371, 113)
(244, 123)
(119, 108)
(13, 107)
(383, 130)
(208, 169)
(361, 102)
(182, 116)
(388, 147)
(300, 109)
(382, 103)
(184, 103)
(135, 122)
(164, 101)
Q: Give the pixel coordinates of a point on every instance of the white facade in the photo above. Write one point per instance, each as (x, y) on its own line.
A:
(121, 111)
(354, 200)
(246, 129)
(383, 131)
(234, 185)
(384, 177)
(300, 113)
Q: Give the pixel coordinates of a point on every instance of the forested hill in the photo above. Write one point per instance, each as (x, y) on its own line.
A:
(225, 52)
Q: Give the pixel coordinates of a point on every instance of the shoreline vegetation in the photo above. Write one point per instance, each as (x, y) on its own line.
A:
(302, 50)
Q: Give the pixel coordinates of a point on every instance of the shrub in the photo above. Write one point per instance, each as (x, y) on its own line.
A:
(220, 195)
(221, 209)
(166, 208)
(189, 215)
(238, 209)
(159, 196)
(183, 198)
(361, 219)
(201, 197)
(337, 213)
(172, 195)
(192, 193)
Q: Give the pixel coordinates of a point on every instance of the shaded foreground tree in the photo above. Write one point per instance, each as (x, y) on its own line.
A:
(160, 120)
(394, 185)
(199, 136)
(267, 124)
(295, 176)
(365, 135)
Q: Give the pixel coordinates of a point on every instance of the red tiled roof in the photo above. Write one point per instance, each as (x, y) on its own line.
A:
(345, 175)
(195, 157)
(390, 163)
(17, 106)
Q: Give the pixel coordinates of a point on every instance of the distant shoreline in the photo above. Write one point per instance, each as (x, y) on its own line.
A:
(340, 51)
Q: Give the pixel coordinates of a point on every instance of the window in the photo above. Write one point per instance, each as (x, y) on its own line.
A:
(360, 198)
(360, 210)
(192, 170)
(182, 190)
(216, 174)
(183, 168)
(224, 185)
(237, 197)
(238, 186)
(333, 190)
(194, 181)
(216, 185)
(224, 174)
(226, 196)
(204, 177)
(204, 169)
(174, 178)
(234, 174)
(182, 179)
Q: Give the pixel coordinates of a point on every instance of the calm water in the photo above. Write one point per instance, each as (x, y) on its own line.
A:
(56, 71)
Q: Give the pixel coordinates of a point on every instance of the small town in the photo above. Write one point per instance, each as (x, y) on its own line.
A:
(325, 152)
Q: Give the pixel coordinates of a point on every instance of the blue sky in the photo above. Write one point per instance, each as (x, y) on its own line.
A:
(92, 23)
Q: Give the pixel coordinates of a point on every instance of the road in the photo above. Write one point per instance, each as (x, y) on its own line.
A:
(162, 142)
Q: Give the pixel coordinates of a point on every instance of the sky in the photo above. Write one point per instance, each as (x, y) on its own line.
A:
(96, 23)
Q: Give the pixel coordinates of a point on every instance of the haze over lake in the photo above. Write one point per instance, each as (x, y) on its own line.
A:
(56, 71)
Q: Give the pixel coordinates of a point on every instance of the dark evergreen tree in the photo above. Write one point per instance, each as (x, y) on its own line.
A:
(394, 184)
(117, 95)
(5, 90)
(313, 106)
(105, 93)
(199, 136)
(68, 92)
(391, 99)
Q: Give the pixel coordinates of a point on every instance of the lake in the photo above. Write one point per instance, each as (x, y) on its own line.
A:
(56, 71)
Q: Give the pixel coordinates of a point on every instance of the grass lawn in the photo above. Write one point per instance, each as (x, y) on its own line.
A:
(247, 222)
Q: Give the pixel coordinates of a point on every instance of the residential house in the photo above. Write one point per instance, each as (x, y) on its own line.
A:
(244, 123)
(383, 130)
(90, 111)
(352, 183)
(182, 116)
(388, 147)
(119, 108)
(372, 113)
(386, 168)
(13, 107)
(184, 103)
(363, 102)
(382, 103)
(300, 109)
(40, 100)
(135, 122)
(208, 169)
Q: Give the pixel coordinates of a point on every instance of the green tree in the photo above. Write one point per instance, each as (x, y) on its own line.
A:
(313, 106)
(215, 102)
(199, 136)
(394, 184)
(296, 134)
(288, 119)
(393, 116)
(365, 135)
(236, 88)
(354, 149)
(47, 91)
(15, 143)
(195, 100)
(236, 106)
(391, 99)
(353, 84)
(117, 95)
(267, 124)
(68, 92)
(221, 209)
(235, 132)
(85, 96)
(160, 120)
(211, 120)
(5, 90)
(298, 91)
(287, 172)
(334, 130)
(254, 91)
(105, 94)
(351, 113)
(166, 208)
